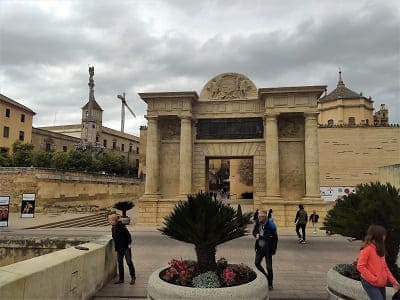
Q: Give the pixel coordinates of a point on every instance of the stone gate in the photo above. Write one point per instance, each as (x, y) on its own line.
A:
(276, 127)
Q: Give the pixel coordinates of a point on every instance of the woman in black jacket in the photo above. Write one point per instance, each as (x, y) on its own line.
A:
(122, 241)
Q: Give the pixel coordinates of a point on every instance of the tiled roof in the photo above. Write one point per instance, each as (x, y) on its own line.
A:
(15, 103)
(95, 105)
(342, 92)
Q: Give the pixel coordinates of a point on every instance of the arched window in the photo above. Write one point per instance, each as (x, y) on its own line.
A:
(352, 121)
(330, 122)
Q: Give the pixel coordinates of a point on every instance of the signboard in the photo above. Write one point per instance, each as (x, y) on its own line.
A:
(332, 193)
(28, 205)
(4, 210)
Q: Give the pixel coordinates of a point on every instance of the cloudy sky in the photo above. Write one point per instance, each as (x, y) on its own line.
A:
(178, 45)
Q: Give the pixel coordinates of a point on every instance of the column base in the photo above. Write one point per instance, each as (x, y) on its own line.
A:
(151, 197)
(311, 199)
(271, 199)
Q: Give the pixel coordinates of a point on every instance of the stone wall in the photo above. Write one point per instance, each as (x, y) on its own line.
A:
(67, 191)
(64, 274)
(390, 174)
(349, 156)
(15, 249)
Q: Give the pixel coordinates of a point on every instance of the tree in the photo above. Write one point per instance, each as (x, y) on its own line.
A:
(22, 155)
(246, 171)
(42, 159)
(373, 203)
(5, 160)
(80, 161)
(60, 160)
(205, 223)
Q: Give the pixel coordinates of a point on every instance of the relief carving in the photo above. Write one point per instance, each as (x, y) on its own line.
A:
(170, 129)
(229, 86)
(291, 127)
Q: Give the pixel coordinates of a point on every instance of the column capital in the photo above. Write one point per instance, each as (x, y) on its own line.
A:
(311, 115)
(270, 116)
(186, 117)
(151, 117)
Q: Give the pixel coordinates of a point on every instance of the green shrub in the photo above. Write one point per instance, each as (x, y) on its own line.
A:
(206, 280)
(373, 203)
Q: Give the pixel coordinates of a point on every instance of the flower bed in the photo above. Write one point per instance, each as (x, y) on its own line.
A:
(185, 273)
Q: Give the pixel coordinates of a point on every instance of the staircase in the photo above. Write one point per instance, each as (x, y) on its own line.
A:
(96, 220)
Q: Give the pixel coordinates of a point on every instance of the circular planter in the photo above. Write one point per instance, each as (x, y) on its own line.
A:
(341, 287)
(159, 289)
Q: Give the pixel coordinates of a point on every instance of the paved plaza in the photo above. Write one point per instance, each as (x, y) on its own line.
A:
(299, 270)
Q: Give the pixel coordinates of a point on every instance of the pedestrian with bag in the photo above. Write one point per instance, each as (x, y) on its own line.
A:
(123, 243)
(266, 243)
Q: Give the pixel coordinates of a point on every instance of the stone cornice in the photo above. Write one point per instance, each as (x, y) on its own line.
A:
(315, 90)
(160, 96)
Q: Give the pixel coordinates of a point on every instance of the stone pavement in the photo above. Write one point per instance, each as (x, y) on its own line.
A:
(299, 270)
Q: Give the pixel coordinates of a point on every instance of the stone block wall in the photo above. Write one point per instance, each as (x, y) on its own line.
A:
(67, 191)
(349, 156)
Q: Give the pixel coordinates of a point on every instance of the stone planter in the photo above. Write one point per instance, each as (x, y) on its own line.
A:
(343, 288)
(159, 289)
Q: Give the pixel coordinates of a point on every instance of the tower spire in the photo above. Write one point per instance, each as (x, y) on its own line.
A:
(340, 81)
(91, 93)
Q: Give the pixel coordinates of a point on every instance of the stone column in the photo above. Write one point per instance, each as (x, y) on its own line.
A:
(272, 155)
(185, 157)
(311, 156)
(152, 157)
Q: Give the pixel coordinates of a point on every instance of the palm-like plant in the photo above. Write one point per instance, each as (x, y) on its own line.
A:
(373, 203)
(124, 206)
(205, 223)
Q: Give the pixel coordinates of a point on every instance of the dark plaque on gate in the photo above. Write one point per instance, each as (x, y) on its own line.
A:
(228, 129)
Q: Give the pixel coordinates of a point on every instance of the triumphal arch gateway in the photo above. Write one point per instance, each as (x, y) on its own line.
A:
(275, 127)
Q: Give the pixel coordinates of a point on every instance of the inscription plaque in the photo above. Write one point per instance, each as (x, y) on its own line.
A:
(230, 128)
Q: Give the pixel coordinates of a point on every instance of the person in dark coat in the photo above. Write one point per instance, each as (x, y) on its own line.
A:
(266, 243)
(122, 241)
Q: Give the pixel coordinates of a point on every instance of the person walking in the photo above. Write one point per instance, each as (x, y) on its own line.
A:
(122, 242)
(255, 216)
(266, 243)
(301, 222)
(314, 220)
(372, 265)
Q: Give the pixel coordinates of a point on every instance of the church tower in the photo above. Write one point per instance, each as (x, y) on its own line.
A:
(92, 115)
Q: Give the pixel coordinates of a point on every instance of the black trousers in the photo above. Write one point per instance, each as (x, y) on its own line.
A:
(128, 257)
(260, 254)
(303, 230)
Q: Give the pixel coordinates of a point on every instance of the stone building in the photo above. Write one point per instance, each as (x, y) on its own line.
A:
(91, 130)
(343, 106)
(275, 127)
(16, 123)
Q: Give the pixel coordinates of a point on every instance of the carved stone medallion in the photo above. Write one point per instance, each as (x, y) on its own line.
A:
(229, 86)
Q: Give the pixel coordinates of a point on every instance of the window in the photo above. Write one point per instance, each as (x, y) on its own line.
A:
(330, 122)
(130, 148)
(21, 135)
(48, 147)
(97, 139)
(352, 121)
(367, 121)
(22, 118)
(137, 163)
(114, 145)
(65, 148)
(87, 114)
(7, 112)
(137, 150)
(122, 147)
(105, 143)
(6, 131)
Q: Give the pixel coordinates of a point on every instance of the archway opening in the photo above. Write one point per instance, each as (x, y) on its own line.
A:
(230, 179)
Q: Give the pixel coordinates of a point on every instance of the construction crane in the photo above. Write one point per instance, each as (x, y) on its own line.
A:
(123, 105)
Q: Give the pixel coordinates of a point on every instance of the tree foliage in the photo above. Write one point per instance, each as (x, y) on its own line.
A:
(22, 155)
(373, 203)
(246, 171)
(124, 206)
(205, 223)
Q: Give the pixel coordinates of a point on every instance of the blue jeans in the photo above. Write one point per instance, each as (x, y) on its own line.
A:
(128, 257)
(373, 292)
